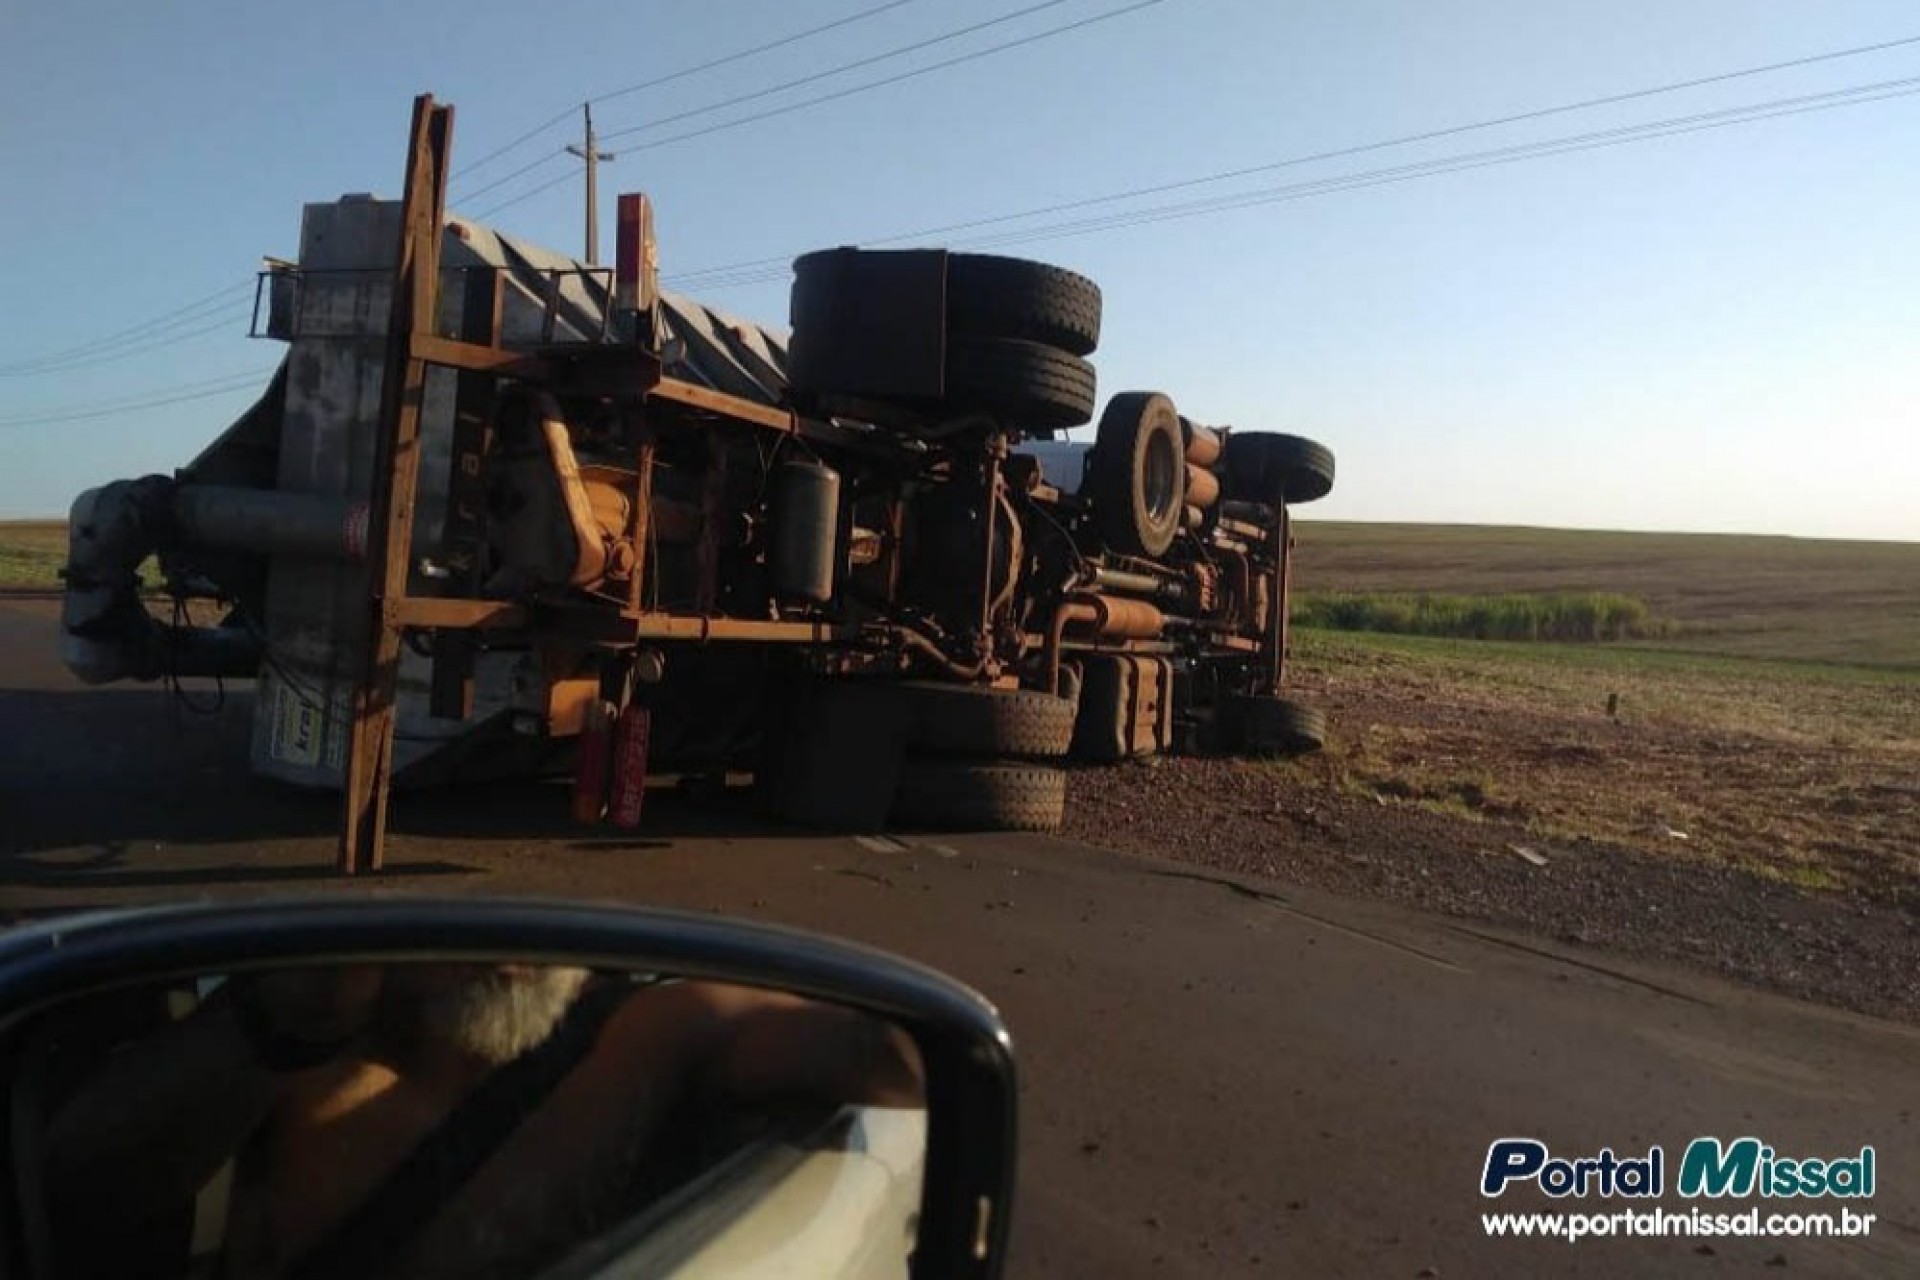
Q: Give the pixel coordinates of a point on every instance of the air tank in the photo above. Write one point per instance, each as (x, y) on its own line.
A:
(805, 539)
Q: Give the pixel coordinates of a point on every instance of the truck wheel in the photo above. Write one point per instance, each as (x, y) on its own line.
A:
(1025, 383)
(970, 720)
(995, 297)
(1269, 467)
(1137, 474)
(945, 796)
(1266, 726)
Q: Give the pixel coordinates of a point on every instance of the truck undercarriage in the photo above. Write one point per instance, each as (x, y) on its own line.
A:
(501, 512)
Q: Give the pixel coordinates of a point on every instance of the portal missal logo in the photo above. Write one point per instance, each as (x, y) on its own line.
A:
(1707, 1168)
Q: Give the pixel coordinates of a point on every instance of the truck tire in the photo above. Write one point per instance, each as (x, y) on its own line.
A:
(1025, 384)
(1268, 467)
(970, 720)
(995, 297)
(944, 796)
(1267, 726)
(1137, 474)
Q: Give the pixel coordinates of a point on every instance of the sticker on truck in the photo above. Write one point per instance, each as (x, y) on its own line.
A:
(298, 727)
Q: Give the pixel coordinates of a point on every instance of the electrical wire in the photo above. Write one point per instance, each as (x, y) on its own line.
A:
(526, 168)
(168, 324)
(524, 196)
(559, 118)
(830, 72)
(245, 383)
(835, 96)
(973, 56)
(191, 312)
(771, 45)
(121, 401)
(682, 74)
(170, 676)
(225, 321)
(75, 357)
(1804, 104)
(688, 277)
(760, 271)
(1673, 127)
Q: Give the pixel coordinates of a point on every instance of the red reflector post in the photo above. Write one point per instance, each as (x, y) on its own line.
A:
(635, 269)
(596, 756)
(631, 736)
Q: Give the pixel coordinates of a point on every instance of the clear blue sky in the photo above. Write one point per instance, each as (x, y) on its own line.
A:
(1708, 332)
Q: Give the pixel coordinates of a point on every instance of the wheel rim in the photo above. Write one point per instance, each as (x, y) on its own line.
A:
(1159, 477)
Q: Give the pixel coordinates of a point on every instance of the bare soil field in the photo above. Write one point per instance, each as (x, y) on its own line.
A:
(1828, 601)
(1757, 819)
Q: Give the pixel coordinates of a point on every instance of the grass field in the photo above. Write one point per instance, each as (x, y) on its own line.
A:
(1791, 598)
(1802, 772)
(1823, 704)
(31, 552)
(1577, 617)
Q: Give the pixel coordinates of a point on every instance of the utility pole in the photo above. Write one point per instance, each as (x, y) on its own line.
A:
(593, 157)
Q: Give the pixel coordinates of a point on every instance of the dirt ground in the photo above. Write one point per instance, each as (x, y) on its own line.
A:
(1787, 859)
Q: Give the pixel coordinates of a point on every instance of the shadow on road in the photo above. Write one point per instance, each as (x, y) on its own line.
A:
(114, 866)
(96, 784)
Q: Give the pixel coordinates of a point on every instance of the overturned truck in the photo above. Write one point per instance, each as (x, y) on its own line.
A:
(500, 512)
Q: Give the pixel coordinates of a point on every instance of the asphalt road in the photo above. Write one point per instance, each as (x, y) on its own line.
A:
(1219, 1076)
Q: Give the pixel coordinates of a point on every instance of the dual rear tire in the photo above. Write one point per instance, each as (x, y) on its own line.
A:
(922, 755)
(1017, 334)
(976, 759)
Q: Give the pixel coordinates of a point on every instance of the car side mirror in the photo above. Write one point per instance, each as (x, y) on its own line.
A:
(369, 1086)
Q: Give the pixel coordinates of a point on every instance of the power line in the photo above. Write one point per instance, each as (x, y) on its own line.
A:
(228, 384)
(166, 320)
(114, 401)
(973, 56)
(206, 325)
(843, 68)
(657, 81)
(528, 194)
(917, 45)
(755, 270)
(740, 55)
(518, 142)
(1338, 153)
(896, 79)
(1883, 92)
(1859, 95)
(1856, 95)
(683, 73)
(528, 167)
(68, 358)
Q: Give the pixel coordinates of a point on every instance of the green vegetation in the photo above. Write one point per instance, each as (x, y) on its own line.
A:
(1821, 704)
(32, 552)
(1588, 616)
(1800, 772)
(1758, 597)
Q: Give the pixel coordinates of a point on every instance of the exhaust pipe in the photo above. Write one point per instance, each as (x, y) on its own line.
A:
(107, 633)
